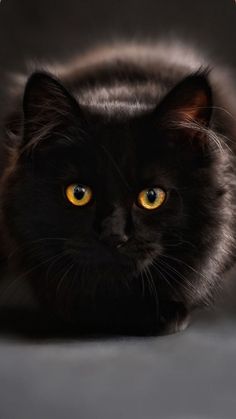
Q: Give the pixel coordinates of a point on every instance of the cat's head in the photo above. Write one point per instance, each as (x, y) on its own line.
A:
(98, 203)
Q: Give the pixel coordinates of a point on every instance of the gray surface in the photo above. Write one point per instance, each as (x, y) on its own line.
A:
(190, 375)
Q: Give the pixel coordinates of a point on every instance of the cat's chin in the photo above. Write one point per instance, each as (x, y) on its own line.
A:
(109, 264)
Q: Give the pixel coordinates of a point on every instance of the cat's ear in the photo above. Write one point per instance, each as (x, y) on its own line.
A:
(47, 107)
(189, 102)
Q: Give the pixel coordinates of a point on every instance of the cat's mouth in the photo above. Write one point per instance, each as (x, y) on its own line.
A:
(124, 260)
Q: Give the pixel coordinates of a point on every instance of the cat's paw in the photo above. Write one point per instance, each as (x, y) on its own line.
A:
(174, 318)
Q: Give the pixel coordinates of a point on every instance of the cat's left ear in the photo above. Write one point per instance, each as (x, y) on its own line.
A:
(47, 107)
(190, 101)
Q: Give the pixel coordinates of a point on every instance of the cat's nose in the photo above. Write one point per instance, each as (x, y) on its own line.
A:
(115, 240)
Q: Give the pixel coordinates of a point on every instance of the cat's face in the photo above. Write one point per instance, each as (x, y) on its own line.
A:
(99, 201)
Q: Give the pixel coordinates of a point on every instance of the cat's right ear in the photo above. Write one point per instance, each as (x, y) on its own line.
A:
(189, 102)
(47, 107)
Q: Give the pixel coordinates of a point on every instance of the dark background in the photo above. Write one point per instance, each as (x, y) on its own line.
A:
(51, 29)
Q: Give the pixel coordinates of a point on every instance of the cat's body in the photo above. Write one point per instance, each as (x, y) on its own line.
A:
(117, 123)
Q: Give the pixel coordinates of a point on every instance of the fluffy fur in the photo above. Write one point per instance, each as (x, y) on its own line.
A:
(121, 119)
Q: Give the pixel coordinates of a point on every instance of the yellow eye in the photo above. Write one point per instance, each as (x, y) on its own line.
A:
(78, 195)
(151, 198)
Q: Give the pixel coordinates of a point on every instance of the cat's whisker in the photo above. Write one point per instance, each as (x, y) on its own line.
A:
(10, 289)
(63, 277)
(174, 275)
(26, 273)
(60, 257)
(45, 241)
(142, 283)
(175, 271)
(152, 288)
(226, 111)
(217, 139)
(180, 243)
(24, 276)
(189, 287)
(69, 292)
(158, 269)
(179, 275)
(186, 264)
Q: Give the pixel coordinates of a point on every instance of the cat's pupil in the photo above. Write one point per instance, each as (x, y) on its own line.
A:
(79, 192)
(151, 195)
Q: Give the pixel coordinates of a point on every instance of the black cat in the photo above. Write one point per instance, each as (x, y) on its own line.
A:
(118, 188)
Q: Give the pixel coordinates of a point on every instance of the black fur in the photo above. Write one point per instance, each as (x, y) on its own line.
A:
(120, 123)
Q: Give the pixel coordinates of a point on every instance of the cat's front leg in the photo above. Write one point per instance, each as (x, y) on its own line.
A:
(174, 317)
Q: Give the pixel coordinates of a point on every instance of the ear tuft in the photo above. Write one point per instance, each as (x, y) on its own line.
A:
(189, 101)
(47, 105)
